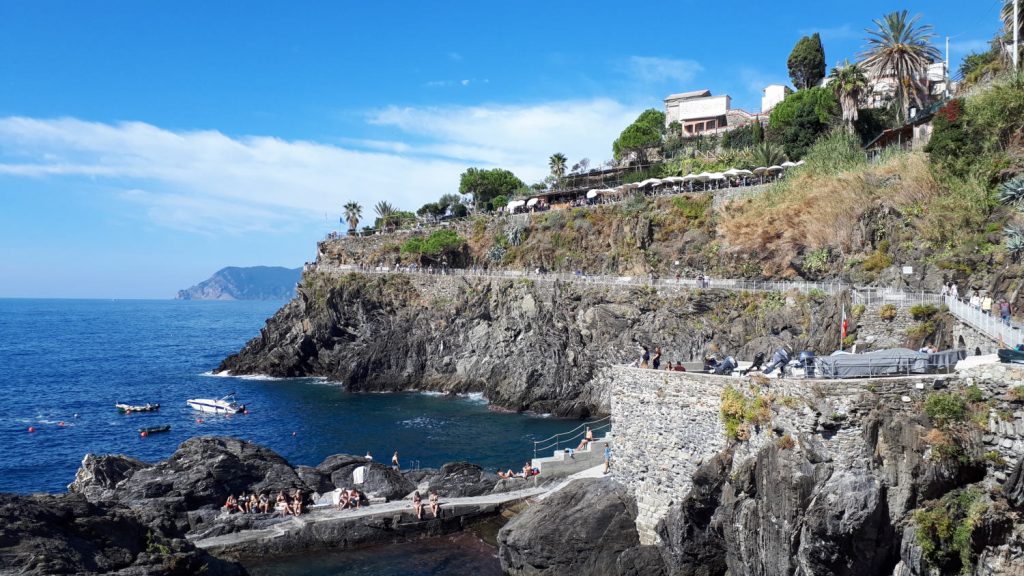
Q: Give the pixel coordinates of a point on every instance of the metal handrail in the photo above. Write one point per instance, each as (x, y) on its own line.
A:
(578, 432)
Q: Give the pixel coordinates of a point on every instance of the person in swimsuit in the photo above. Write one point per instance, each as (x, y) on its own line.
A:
(417, 505)
(435, 506)
(394, 460)
(282, 502)
(354, 497)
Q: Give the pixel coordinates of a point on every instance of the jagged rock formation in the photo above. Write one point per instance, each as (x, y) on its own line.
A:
(67, 534)
(251, 283)
(181, 497)
(582, 529)
(528, 345)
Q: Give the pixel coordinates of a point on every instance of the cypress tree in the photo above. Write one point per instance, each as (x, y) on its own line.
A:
(807, 62)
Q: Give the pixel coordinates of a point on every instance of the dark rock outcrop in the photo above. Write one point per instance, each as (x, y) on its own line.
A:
(67, 534)
(456, 480)
(99, 475)
(581, 529)
(528, 345)
(378, 480)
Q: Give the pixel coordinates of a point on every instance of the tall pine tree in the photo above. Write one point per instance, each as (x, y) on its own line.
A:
(807, 62)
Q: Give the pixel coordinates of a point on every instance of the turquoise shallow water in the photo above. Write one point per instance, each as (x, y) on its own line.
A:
(62, 358)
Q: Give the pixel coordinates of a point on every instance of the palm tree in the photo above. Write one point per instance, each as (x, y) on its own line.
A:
(900, 49)
(848, 81)
(768, 154)
(557, 163)
(1007, 16)
(385, 214)
(353, 212)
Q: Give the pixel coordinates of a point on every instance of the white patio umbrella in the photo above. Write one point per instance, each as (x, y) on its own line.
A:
(732, 172)
(788, 164)
(514, 204)
(650, 182)
(775, 168)
(593, 193)
(760, 170)
(532, 201)
(744, 173)
(800, 163)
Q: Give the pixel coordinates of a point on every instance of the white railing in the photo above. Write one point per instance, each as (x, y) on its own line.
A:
(872, 296)
(570, 439)
(989, 325)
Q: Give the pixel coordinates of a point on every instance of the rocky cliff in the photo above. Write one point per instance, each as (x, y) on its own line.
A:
(252, 283)
(917, 476)
(528, 344)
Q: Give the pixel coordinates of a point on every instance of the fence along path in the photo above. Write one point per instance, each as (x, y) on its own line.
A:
(990, 326)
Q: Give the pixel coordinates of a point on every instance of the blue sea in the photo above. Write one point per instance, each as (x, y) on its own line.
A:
(65, 363)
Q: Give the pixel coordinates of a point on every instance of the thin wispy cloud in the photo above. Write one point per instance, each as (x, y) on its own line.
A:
(650, 69)
(207, 182)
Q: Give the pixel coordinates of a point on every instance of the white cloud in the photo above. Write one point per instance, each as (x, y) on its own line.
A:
(205, 181)
(653, 70)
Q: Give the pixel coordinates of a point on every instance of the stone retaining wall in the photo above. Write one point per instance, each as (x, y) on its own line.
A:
(668, 423)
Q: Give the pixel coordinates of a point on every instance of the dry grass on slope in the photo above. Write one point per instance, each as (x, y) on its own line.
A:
(813, 210)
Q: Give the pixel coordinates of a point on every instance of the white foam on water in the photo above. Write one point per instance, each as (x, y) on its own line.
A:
(477, 397)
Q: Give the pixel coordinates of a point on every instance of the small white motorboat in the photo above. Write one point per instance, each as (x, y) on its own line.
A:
(225, 405)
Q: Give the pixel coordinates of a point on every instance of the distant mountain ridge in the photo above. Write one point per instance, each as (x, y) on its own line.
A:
(249, 283)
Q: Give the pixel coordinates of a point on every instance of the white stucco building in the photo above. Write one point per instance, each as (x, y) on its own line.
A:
(697, 111)
(772, 95)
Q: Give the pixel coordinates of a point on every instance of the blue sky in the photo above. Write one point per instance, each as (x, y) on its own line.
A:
(144, 145)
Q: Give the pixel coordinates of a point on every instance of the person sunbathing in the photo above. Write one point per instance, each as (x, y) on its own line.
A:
(344, 499)
(282, 503)
(231, 503)
(354, 497)
(264, 503)
(297, 502)
(435, 505)
(417, 505)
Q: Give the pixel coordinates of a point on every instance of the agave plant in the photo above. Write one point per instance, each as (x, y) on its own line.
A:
(514, 234)
(1014, 241)
(1011, 193)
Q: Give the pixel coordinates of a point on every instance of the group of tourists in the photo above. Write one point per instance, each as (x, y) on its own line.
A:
(347, 498)
(980, 300)
(260, 503)
(432, 500)
(653, 360)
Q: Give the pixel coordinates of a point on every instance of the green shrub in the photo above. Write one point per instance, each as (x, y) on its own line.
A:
(857, 310)
(975, 394)
(738, 412)
(816, 261)
(946, 527)
(944, 408)
(877, 262)
(921, 330)
(694, 208)
(887, 312)
(797, 121)
(923, 311)
(836, 151)
(439, 242)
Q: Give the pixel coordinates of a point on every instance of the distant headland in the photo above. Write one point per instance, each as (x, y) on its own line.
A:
(249, 283)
